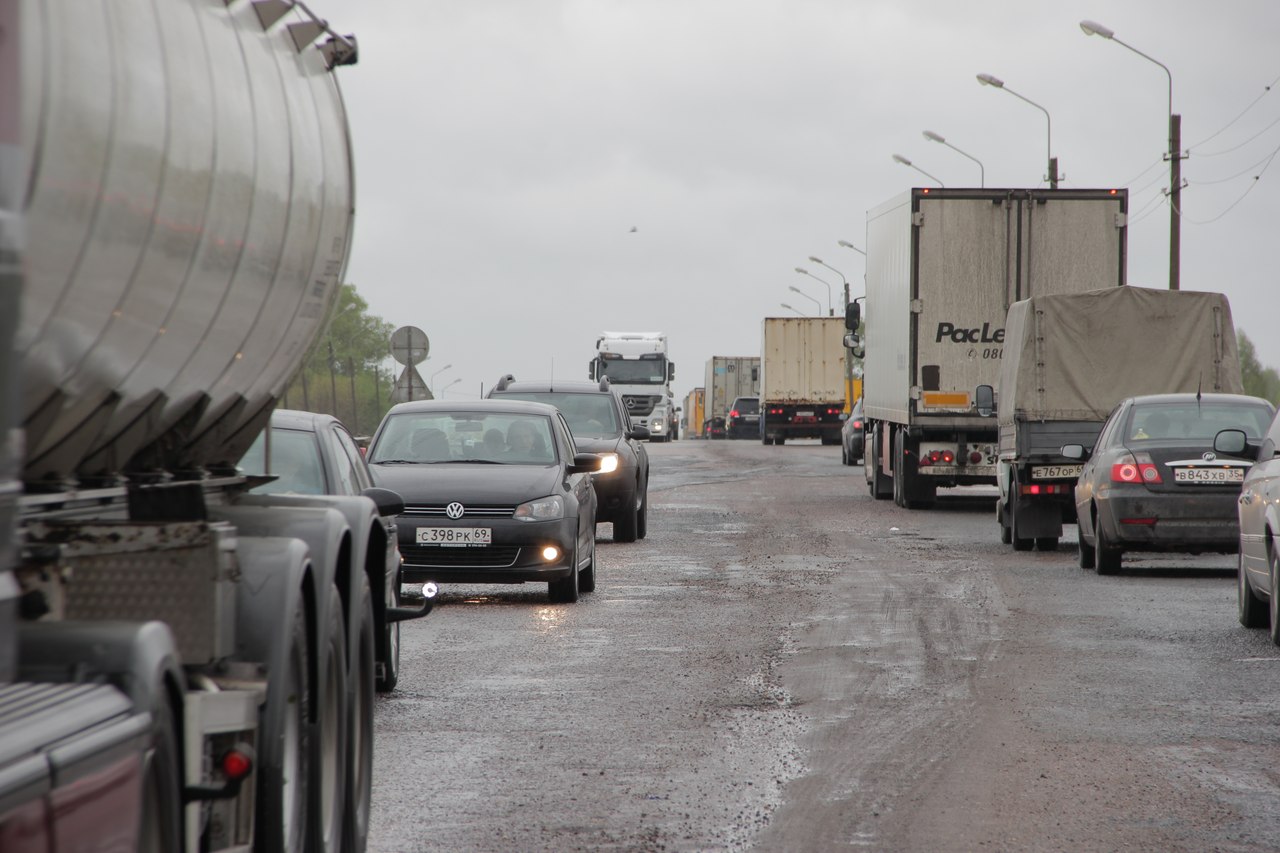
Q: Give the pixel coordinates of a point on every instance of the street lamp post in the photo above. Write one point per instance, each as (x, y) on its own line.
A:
(433, 378)
(989, 80)
(812, 299)
(789, 308)
(982, 173)
(450, 385)
(898, 158)
(1174, 156)
(831, 312)
(846, 244)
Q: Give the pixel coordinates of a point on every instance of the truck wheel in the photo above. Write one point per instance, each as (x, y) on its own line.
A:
(161, 827)
(1020, 543)
(879, 484)
(360, 725)
(329, 767)
(282, 815)
(625, 526)
(1253, 610)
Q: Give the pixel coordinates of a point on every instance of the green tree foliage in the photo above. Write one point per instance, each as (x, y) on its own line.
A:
(1258, 380)
(342, 373)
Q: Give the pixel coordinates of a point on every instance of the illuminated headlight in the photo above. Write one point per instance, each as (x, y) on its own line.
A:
(658, 425)
(543, 509)
(551, 553)
(608, 463)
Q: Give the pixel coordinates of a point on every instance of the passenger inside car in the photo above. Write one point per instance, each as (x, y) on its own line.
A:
(429, 445)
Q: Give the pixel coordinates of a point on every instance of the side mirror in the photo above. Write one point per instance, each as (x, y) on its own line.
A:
(985, 399)
(671, 371)
(641, 433)
(1075, 451)
(585, 463)
(852, 316)
(1234, 442)
(387, 501)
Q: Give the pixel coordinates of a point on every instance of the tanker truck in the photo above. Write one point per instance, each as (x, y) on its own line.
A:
(183, 665)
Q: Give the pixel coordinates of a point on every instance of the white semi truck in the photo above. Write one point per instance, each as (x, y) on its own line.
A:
(183, 665)
(943, 267)
(638, 367)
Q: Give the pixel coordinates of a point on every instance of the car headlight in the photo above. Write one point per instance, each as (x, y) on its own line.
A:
(543, 509)
(608, 463)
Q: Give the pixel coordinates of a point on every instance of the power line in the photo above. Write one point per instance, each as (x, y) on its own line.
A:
(1241, 145)
(1265, 91)
(1249, 189)
(1243, 171)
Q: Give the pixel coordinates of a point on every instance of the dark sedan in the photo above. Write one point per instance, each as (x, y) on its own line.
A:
(495, 491)
(852, 436)
(598, 418)
(1153, 481)
(313, 454)
(713, 427)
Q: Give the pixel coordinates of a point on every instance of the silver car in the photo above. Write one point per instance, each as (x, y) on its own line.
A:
(1259, 509)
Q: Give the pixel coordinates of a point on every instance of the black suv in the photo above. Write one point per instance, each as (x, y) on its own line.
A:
(599, 422)
(744, 418)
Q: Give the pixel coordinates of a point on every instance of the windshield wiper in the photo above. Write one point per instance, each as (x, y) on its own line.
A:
(394, 462)
(468, 462)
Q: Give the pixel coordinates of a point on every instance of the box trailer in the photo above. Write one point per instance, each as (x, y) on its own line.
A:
(802, 379)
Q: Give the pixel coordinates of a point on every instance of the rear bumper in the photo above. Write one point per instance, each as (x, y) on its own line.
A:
(1158, 522)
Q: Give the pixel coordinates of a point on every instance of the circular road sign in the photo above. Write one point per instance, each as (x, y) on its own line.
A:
(409, 345)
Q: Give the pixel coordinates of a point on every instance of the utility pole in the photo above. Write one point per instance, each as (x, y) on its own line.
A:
(1175, 201)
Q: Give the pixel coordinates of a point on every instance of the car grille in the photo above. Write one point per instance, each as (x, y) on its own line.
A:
(491, 557)
(639, 405)
(472, 511)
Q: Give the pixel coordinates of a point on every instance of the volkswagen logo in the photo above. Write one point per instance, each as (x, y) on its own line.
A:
(455, 510)
(1208, 456)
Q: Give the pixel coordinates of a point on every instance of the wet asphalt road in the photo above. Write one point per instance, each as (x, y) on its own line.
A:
(786, 664)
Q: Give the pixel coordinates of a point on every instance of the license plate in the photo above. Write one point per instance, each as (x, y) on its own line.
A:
(804, 414)
(1208, 475)
(1056, 472)
(455, 537)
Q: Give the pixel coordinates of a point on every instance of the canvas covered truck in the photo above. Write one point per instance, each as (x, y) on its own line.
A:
(943, 267)
(1068, 361)
(183, 665)
(802, 379)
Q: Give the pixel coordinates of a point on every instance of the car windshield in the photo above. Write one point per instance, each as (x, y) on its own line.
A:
(295, 462)
(589, 415)
(511, 438)
(648, 371)
(747, 405)
(1179, 422)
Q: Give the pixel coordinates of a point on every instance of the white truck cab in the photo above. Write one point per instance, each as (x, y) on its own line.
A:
(637, 366)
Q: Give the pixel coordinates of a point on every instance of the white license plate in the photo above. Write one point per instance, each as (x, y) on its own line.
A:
(1056, 472)
(804, 414)
(1208, 475)
(455, 537)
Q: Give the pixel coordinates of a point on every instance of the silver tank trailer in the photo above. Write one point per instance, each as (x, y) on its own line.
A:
(178, 265)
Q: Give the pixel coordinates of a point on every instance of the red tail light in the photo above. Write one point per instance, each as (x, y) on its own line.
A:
(1044, 489)
(237, 763)
(857, 424)
(1139, 469)
(734, 413)
(834, 411)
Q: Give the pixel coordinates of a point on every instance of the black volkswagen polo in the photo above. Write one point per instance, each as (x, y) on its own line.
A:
(495, 491)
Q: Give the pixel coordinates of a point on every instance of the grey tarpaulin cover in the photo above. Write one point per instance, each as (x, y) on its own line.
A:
(1075, 356)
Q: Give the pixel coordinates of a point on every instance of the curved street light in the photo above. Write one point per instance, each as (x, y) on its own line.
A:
(898, 158)
(996, 82)
(789, 308)
(846, 244)
(982, 173)
(450, 385)
(434, 375)
(830, 309)
(812, 299)
(1093, 28)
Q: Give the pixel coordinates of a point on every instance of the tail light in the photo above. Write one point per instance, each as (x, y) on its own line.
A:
(834, 411)
(734, 413)
(857, 424)
(937, 457)
(1045, 489)
(1135, 469)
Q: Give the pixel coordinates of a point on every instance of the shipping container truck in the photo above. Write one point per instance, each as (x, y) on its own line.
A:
(802, 379)
(183, 665)
(694, 413)
(1068, 361)
(639, 369)
(727, 378)
(943, 267)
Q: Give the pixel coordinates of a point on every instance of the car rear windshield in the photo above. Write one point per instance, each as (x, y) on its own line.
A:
(433, 437)
(589, 415)
(295, 462)
(747, 405)
(1173, 422)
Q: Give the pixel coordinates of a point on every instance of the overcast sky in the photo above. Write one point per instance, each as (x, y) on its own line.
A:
(506, 149)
